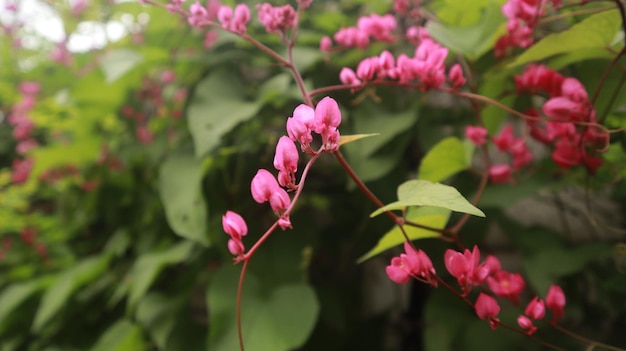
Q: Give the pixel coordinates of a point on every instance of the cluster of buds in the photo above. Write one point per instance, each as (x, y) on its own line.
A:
(23, 127)
(276, 19)
(323, 120)
(568, 104)
(427, 66)
(470, 272)
(374, 26)
(522, 16)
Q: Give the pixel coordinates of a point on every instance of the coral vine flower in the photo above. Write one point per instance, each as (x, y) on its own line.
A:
(276, 19)
(500, 173)
(413, 263)
(505, 284)
(535, 309)
(235, 226)
(477, 135)
(465, 268)
(487, 308)
(555, 301)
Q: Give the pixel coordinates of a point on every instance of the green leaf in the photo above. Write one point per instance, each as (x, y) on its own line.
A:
(66, 284)
(116, 63)
(443, 160)
(216, 108)
(157, 314)
(346, 139)
(148, 266)
(435, 217)
(180, 188)
(425, 193)
(473, 41)
(15, 294)
(280, 320)
(121, 336)
(596, 31)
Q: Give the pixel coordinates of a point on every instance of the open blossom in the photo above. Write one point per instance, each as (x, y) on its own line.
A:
(487, 307)
(264, 188)
(505, 284)
(466, 268)
(412, 263)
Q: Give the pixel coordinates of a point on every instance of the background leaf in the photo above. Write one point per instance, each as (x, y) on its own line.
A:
(148, 266)
(216, 108)
(180, 188)
(443, 160)
(121, 336)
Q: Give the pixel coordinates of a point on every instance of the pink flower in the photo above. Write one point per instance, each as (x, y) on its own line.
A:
(493, 263)
(487, 308)
(348, 77)
(477, 135)
(235, 247)
(327, 115)
(526, 323)
(263, 185)
(535, 309)
(379, 27)
(500, 173)
(21, 170)
(465, 267)
(325, 122)
(276, 19)
(504, 140)
(29, 88)
(234, 225)
(240, 18)
(286, 157)
(326, 44)
(455, 76)
(505, 284)
(299, 126)
(555, 301)
(25, 146)
(414, 263)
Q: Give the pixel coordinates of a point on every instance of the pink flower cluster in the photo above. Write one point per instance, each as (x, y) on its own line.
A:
(276, 19)
(23, 127)
(427, 66)
(522, 16)
(234, 20)
(470, 272)
(517, 148)
(536, 309)
(323, 120)
(413, 263)
(374, 26)
(568, 103)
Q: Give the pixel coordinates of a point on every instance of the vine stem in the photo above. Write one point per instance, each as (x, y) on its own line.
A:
(242, 276)
(399, 221)
(592, 343)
